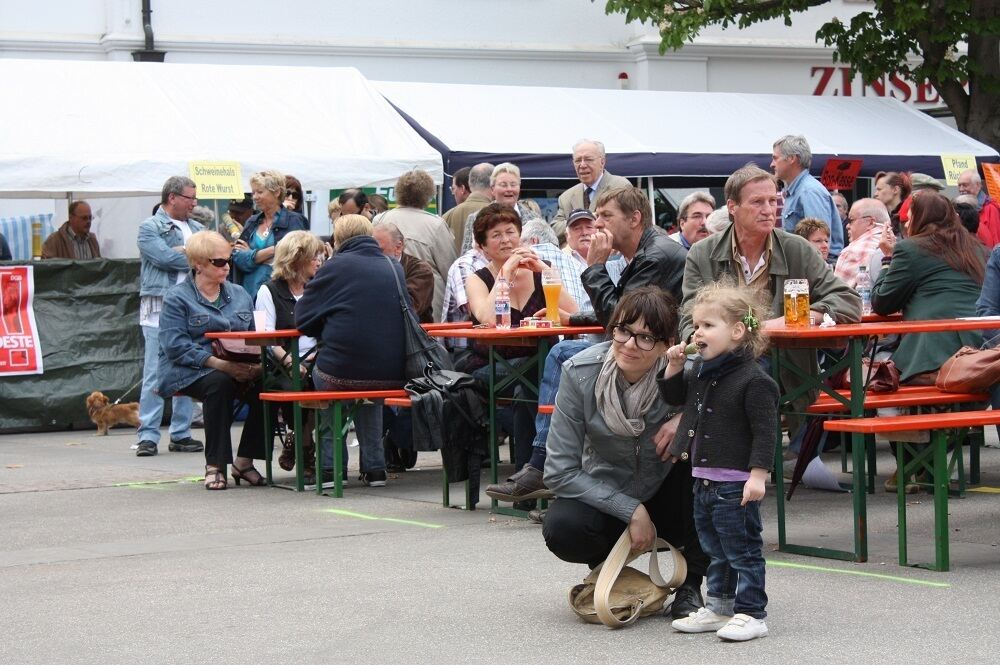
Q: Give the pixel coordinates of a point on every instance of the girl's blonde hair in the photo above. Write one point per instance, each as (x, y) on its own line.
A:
(293, 254)
(745, 305)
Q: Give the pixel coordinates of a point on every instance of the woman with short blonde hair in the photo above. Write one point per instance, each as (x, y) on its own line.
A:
(349, 226)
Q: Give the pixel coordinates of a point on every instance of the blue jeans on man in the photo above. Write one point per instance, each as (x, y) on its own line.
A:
(151, 404)
(367, 427)
(558, 354)
(730, 534)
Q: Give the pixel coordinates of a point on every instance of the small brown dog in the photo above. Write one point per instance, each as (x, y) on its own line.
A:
(105, 415)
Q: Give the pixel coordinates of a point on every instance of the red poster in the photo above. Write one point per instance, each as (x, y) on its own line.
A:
(992, 180)
(20, 352)
(840, 174)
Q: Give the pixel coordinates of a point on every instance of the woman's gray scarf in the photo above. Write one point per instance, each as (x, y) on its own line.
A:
(638, 397)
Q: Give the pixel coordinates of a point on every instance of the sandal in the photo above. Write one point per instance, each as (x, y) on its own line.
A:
(215, 479)
(249, 474)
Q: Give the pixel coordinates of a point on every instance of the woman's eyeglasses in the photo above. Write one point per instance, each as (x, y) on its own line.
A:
(219, 263)
(622, 334)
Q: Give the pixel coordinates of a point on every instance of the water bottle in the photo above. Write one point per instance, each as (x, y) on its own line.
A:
(864, 288)
(503, 303)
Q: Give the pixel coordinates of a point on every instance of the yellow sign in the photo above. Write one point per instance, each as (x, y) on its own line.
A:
(954, 165)
(217, 180)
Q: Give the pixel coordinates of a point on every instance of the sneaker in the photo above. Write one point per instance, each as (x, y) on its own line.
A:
(523, 485)
(537, 516)
(187, 445)
(145, 449)
(742, 628)
(687, 601)
(702, 621)
(373, 478)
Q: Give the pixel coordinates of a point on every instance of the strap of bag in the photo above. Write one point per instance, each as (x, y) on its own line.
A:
(399, 287)
(621, 554)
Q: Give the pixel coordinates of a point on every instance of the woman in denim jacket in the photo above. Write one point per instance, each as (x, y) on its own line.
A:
(208, 303)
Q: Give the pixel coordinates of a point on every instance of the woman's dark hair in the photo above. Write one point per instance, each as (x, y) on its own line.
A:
(292, 184)
(969, 216)
(934, 227)
(490, 216)
(654, 306)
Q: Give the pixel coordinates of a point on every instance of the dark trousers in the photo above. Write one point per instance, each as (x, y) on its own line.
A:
(217, 392)
(579, 533)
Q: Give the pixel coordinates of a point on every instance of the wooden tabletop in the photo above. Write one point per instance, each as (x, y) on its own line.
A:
(888, 327)
(254, 334)
(491, 334)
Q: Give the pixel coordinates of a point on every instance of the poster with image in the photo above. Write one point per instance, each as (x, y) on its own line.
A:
(20, 352)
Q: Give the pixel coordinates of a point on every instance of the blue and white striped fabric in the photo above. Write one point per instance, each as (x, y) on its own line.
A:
(17, 231)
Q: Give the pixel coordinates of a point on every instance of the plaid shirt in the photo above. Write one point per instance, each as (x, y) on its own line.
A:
(863, 251)
(556, 258)
(456, 302)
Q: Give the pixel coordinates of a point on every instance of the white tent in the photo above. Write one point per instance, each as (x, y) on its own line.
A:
(119, 128)
(659, 133)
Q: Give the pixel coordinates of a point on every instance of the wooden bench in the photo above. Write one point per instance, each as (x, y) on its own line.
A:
(931, 457)
(547, 408)
(331, 416)
(906, 397)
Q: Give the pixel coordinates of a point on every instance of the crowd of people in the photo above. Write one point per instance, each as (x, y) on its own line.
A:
(635, 440)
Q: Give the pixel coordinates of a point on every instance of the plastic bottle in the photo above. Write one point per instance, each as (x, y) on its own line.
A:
(503, 303)
(863, 286)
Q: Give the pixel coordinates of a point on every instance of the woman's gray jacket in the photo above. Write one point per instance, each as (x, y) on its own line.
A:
(587, 461)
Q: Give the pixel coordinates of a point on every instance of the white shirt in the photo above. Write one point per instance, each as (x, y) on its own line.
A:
(265, 303)
(185, 230)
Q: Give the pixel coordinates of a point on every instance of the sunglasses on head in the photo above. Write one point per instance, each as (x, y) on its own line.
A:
(219, 263)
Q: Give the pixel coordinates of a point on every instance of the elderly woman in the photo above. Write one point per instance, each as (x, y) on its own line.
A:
(603, 461)
(505, 187)
(208, 303)
(936, 273)
(253, 253)
(352, 307)
(498, 233)
(296, 259)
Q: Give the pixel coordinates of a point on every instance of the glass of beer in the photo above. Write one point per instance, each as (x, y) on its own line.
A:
(796, 302)
(551, 286)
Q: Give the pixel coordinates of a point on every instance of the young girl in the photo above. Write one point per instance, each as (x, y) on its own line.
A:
(728, 430)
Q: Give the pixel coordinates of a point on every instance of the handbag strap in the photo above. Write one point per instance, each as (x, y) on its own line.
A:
(399, 287)
(620, 555)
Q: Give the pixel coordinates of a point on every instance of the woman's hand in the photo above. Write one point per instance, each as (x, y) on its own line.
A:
(241, 372)
(641, 530)
(753, 489)
(664, 436)
(888, 240)
(563, 315)
(241, 246)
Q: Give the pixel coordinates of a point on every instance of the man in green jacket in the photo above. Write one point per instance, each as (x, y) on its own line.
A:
(752, 252)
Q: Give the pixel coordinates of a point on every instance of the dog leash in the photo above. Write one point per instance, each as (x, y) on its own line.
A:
(115, 403)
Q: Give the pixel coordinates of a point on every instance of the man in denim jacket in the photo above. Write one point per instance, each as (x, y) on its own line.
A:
(164, 263)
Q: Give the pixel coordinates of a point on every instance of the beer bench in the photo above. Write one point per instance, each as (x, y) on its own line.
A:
(931, 457)
(908, 396)
(331, 416)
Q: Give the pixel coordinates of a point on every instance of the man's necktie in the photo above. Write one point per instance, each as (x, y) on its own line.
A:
(587, 191)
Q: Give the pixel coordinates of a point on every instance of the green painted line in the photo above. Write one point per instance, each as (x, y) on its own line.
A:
(859, 573)
(362, 516)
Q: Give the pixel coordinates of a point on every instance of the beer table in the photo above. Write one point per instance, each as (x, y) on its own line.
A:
(517, 374)
(855, 337)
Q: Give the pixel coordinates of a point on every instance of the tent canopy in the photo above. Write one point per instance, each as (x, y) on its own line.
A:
(115, 128)
(657, 133)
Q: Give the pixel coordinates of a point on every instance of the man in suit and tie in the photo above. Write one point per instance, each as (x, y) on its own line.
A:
(588, 162)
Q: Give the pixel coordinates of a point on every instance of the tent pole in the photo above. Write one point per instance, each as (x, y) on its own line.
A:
(649, 193)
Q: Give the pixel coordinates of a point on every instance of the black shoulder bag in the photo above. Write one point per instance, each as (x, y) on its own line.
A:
(423, 354)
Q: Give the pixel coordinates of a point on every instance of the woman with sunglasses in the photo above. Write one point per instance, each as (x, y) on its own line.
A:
(253, 252)
(602, 461)
(208, 303)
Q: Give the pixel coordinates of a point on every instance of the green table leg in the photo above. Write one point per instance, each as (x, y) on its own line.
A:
(901, 501)
(939, 439)
(338, 453)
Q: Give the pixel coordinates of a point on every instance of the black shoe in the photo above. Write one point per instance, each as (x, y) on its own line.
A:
(373, 478)
(526, 506)
(687, 599)
(145, 449)
(537, 516)
(187, 445)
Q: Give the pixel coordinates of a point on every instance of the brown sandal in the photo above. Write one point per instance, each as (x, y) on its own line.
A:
(215, 479)
(249, 474)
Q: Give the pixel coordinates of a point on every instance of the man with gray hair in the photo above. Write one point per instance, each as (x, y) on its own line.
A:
(589, 159)
(163, 263)
(419, 274)
(804, 196)
(537, 235)
(691, 217)
(865, 224)
(479, 197)
(970, 183)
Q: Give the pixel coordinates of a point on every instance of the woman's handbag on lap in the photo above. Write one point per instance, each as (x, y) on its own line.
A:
(616, 594)
(970, 371)
(235, 350)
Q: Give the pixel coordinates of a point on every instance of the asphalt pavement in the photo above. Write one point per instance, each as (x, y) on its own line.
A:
(109, 558)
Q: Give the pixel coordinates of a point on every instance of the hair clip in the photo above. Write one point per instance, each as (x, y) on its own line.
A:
(750, 321)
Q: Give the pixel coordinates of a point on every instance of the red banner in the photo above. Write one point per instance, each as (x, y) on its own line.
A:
(840, 174)
(992, 180)
(20, 352)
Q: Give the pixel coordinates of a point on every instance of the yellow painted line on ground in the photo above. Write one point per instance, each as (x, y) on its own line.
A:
(984, 490)
(859, 573)
(362, 516)
(152, 484)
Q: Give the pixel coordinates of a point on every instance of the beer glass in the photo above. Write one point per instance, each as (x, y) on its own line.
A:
(551, 286)
(796, 302)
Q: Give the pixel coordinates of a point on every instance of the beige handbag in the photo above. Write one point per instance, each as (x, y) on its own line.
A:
(616, 594)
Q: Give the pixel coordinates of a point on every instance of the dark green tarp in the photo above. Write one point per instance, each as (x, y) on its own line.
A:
(87, 314)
